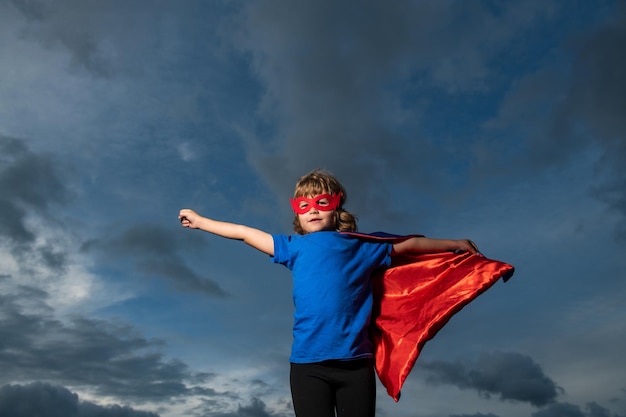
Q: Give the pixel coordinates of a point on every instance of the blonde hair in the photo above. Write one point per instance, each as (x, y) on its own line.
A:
(322, 182)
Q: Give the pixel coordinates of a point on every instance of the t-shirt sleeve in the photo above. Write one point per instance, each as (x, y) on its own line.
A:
(378, 254)
(281, 250)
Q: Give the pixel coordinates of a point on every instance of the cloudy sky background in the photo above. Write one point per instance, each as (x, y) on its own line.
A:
(504, 122)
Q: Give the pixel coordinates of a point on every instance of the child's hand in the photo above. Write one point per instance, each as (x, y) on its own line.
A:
(188, 218)
(466, 245)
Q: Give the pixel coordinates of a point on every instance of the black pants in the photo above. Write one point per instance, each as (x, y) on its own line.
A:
(349, 387)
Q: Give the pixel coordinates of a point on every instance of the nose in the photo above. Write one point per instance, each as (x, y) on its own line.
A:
(313, 210)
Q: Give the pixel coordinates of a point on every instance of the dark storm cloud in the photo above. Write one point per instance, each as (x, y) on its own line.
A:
(346, 87)
(39, 399)
(355, 92)
(473, 415)
(256, 408)
(155, 251)
(103, 39)
(571, 410)
(92, 33)
(31, 9)
(30, 183)
(594, 108)
(598, 88)
(567, 105)
(596, 410)
(511, 376)
(563, 110)
(597, 97)
(109, 358)
(559, 410)
(71, 29)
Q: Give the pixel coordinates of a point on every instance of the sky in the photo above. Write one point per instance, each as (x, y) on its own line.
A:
(499, 121)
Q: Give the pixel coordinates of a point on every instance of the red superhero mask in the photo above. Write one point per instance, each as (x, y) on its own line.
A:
(322, 202)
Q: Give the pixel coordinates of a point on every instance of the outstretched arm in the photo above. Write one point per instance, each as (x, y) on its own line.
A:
(256, 238)
(424, 244)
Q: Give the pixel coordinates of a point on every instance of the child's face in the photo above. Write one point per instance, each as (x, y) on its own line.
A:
(316, 219)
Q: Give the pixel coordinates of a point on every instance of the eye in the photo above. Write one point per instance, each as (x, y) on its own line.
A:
(303, 205)
(323, 202)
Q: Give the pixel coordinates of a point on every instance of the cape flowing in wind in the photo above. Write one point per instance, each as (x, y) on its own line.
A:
(415, 297)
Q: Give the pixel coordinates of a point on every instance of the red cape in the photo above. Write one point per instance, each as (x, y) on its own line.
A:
(415, 297)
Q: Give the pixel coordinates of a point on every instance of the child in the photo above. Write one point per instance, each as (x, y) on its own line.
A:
(332, 355)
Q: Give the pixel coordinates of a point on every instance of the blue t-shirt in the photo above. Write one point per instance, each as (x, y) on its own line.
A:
(332, 293)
